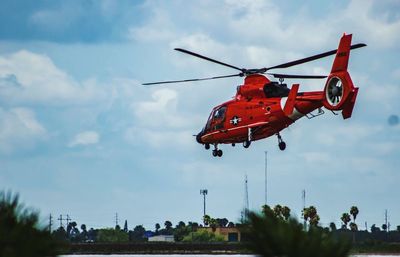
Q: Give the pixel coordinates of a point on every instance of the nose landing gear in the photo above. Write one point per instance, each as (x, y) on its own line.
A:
(281, 143)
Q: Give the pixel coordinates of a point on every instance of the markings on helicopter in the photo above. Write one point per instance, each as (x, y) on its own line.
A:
(235, 120)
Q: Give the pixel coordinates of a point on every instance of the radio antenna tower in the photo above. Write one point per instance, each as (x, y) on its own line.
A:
(204, 192)
(245, 212)
(266, 165)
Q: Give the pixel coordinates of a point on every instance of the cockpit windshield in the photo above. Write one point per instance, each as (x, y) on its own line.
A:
(220, 113)
(216, 119)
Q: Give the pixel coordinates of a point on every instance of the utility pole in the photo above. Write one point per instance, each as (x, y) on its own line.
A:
(50, 222)
(116, 219)
(68, 219)
(204, 192)
(266, 169)
(386, 220)
(60, 219)
(303, 197)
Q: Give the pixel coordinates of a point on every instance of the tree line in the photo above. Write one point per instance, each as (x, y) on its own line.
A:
(274, 228)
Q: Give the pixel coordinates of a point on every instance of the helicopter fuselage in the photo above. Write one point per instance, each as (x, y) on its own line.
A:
(256, 112)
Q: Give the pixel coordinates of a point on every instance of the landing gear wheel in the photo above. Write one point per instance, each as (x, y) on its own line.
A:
(233, 144)
(246, 144)
(282, 145)
(219, 153)
(207, 146)
(215, 152)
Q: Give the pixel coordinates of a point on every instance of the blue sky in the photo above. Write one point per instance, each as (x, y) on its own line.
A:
(79, 135)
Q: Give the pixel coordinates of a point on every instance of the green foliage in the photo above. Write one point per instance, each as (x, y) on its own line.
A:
(281, 212)
(137, 234)
(20, 234)
(203, 235)
(353, 226)
(206, 219)
(354, 212)
(181, 231)
(111, 235)
(310, 215)
(345, 219)
(272, 236)
(332, 226)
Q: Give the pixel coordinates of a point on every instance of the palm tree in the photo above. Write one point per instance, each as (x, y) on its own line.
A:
(265, 208)
(345, 219)
(206, 219)
(332, 226)
(306, 215)
(270, 236)
(353, 227)
(310, 213)
(21, 234)
(278, 210)
(285, 212)
(314, 220)
(213, 224)
(354, 212)
(168, 225)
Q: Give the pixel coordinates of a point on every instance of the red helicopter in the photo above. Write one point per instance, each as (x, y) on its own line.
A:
(262, 108)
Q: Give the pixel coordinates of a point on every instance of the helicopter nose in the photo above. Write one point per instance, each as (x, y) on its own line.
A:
(198, 137)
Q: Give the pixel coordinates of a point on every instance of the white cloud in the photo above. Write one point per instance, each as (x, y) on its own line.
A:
(159, 28)
(316, 157)
(85, 138)
(27, 77)
(158, 138)
(161, 111)
(19, 130)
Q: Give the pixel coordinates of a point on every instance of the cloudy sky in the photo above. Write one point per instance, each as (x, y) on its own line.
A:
(79, 135)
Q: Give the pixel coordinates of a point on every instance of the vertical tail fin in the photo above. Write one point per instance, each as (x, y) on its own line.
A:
(342, 55)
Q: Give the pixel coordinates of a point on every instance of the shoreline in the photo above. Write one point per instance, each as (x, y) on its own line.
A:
(162, 248)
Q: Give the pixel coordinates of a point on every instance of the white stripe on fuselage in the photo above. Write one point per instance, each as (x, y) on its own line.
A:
(246, 126)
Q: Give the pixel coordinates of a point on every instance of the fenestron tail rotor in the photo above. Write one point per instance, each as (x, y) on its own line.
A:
(246, 72)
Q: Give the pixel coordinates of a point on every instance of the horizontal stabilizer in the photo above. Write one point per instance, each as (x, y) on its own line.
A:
(348, 109)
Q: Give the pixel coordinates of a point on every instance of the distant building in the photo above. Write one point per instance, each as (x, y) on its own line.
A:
(162, 238)
(229, 234)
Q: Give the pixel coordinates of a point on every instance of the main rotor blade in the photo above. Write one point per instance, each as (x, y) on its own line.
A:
(190, 80)
(291, 76)
(208, 59)
(311, 58)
